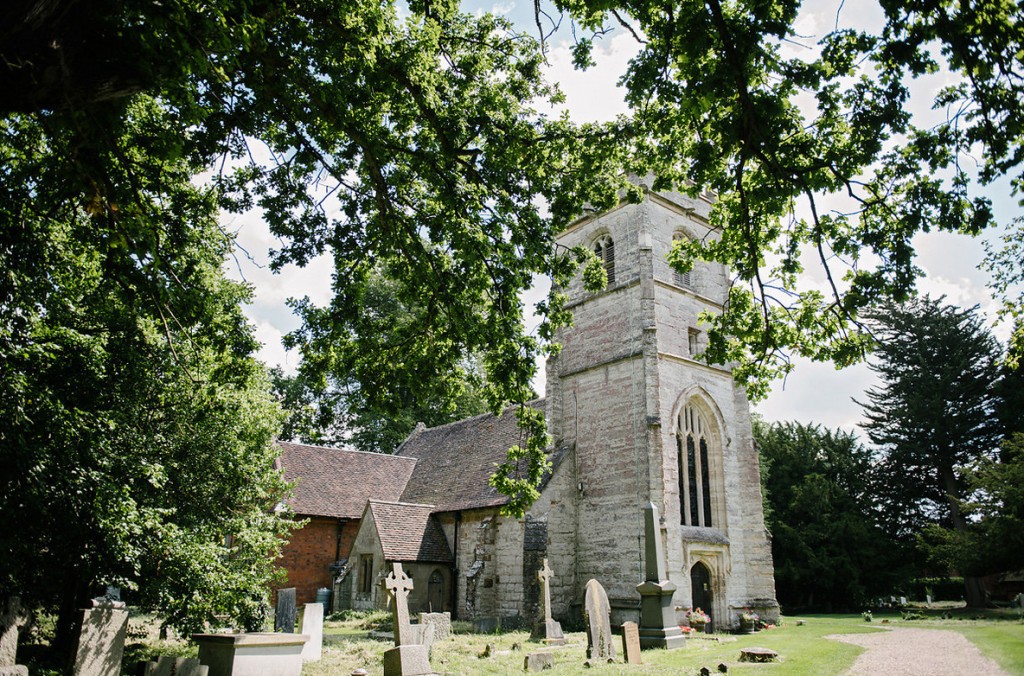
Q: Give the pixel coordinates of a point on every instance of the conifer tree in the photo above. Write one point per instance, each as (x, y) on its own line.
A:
(933, 415)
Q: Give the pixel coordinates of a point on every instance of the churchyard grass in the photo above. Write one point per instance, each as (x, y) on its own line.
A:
(802, 649)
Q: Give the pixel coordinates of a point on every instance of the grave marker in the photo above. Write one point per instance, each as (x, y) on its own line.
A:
(406, 658)
(658, 626)
(313, 627)
(101, 642)
(284, 619)
(548, 629)
(597, 612)
(631, 643)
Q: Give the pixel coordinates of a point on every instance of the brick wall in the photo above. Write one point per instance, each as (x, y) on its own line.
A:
(309, 553)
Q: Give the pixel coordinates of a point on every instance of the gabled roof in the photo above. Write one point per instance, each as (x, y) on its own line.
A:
(336, 482)
(454, 461)
(408, 532)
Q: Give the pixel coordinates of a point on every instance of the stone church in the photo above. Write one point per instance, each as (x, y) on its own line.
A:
(634, 417)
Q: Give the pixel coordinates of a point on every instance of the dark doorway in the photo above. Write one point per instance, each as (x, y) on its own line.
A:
(435, 592)
(700, 586)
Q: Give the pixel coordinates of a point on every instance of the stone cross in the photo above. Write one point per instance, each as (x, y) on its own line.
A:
(399, 585)
(544, 575)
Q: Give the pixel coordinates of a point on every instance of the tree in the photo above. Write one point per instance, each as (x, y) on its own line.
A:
(346, 356)
(993, 541)
(137, 429)
(827, 545)
(385, 133)
(934, 414)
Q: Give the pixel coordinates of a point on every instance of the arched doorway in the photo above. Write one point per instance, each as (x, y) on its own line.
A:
(435, 592)
(700, 590)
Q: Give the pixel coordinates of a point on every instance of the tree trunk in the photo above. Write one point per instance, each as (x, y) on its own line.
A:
(74, 597)
(974, 592)
(974, 589)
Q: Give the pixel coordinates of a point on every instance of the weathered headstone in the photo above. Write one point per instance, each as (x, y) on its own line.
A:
(165, 666)
(101, 642)
(11, 620)
(406, 658)
(547, 629)
(423, 634)
(442, 624)
(658, 626)
(538, 662)
(313, 627)
(284, 619)
(631, 643)
(597, 614)
(190, 666)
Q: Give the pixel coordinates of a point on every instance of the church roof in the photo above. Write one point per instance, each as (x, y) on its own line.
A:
(336, 482)
(408, 532)
(454, 461)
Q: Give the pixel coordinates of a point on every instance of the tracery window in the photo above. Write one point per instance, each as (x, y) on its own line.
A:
(604, 247)
(695, 471)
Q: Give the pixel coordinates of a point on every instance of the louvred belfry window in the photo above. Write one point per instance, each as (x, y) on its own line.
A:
(604, 247)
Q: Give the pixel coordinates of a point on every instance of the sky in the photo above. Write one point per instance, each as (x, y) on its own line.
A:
(812, 392)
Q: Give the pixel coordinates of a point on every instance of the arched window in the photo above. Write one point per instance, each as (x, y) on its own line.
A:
(604, 247)
(695, 471)
(683, 279)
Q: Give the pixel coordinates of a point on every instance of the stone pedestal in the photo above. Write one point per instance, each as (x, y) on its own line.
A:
(658, 628)
(407, 660)
(252, 654)
(549, 631)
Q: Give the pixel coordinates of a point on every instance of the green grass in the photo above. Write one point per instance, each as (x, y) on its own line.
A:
(803, 650)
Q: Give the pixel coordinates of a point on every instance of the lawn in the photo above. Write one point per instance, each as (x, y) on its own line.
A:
(800, 644)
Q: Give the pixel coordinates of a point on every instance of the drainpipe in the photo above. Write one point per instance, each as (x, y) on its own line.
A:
(341, 531)
(455, 568)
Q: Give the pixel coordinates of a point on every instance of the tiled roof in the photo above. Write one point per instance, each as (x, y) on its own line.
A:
(409, 533)
(337, 482)
(454, 461)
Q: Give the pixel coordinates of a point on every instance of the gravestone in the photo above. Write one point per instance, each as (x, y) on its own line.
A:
(190, 666)
(548, 629)
(631, 643)
(423, 634)
(313, 627)
(596, 613)
(284, 619)
(165, 666)
(406, 658)
(11, 621)
(538, 662)
(442, 624)
(658, 626)
(100, 642)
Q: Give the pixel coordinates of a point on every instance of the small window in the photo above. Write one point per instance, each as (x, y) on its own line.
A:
(366, 574)
(683, 279)
(604, 247)
(693, 342)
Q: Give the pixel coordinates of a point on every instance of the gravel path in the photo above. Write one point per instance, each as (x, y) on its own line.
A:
(918, 652)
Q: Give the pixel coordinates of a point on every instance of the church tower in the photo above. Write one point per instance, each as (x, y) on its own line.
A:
(643, 419)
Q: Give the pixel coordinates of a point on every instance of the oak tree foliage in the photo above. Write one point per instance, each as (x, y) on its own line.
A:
(136, 429)
(423, 140)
